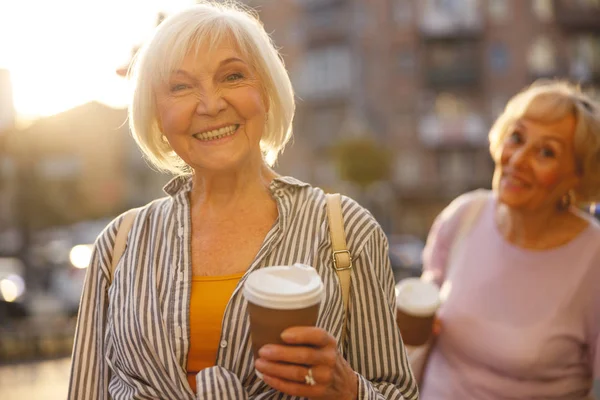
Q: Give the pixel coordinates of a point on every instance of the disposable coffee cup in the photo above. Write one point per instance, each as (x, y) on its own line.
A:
(278, 298)
(417, 302)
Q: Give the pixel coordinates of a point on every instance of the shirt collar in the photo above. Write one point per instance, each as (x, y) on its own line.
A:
(183, 183)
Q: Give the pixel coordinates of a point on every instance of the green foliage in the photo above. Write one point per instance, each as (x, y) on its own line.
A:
(362, 161)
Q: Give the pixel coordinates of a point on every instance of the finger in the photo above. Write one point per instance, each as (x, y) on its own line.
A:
(293, 372)
(308, 335)
(295, 388)
(298, 354)
(437, 327)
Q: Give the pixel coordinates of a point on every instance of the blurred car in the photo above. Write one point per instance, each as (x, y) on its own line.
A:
(406, 256)
(66, 283)
(12, 288)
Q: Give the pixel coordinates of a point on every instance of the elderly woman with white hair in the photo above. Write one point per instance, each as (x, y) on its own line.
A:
(213, 104)
(520, 265)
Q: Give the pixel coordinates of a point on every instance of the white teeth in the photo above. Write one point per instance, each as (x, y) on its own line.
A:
(217, 133)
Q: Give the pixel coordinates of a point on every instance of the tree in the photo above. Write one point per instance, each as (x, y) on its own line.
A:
(362, 161)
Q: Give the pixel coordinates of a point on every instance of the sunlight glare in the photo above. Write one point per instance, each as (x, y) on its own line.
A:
(67, 51)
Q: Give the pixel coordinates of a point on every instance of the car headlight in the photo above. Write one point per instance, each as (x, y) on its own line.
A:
(81, 255)
(11, 287)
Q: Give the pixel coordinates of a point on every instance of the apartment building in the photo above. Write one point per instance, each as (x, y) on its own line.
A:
(423, 78)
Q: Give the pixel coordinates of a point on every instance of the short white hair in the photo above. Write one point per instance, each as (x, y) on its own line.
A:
(212, 24)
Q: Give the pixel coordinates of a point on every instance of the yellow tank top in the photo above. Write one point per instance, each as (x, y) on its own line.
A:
(209, 298)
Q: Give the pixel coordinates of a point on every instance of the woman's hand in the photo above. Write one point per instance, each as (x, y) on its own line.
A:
(286, 367)
(437, 327)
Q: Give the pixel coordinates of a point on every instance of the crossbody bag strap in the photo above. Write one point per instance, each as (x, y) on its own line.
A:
(121, 239)
(341, 258)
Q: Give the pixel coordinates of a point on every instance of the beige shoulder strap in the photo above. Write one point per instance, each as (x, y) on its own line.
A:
(121, 239)
(341, 258)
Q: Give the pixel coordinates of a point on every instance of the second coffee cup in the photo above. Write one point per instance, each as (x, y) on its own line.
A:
(416, 304)
(281, 297)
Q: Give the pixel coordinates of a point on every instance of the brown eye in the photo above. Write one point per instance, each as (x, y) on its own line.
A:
(547, 152)
(515, 138)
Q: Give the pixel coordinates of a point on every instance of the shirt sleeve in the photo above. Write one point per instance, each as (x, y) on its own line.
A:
(375, 349)
(89, 372)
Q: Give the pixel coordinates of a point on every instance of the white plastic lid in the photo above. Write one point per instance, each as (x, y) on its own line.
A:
(417, 297)
(284, 287)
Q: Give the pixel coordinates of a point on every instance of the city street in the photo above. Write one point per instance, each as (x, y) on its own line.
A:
(46, 380)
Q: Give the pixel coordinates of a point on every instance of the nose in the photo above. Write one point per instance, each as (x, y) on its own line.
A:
(211, 103)
(517, 157)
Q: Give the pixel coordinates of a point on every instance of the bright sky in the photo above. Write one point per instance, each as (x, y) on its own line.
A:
(62, 53)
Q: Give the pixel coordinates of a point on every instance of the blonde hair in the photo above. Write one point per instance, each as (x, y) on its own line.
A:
(549, 101)
(212, 24)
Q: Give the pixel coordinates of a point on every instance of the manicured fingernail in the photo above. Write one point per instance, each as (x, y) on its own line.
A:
(287, 335)
(265, 351)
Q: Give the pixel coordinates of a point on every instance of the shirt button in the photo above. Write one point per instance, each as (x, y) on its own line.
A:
(223, 344)
(180, 231)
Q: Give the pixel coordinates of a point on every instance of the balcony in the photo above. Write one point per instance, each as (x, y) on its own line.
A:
(449, 131)
(327, 21)
(458, 19)
(458, 76)
(452, 64)
(576, 16)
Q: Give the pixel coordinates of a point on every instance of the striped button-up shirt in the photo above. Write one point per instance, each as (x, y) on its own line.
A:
(133, 337)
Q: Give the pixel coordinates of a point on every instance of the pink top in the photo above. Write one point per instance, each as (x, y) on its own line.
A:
(518, 323)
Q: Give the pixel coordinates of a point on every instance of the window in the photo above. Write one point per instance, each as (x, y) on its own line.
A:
(324, 125)
(455, 167)
(543, 10)
(407, 170)
(452, 120)
(497, 104)
(402, 11)
(498, 57)
(441, 17)
(326, 72)
(542, 57)
(498, 10)
(584, 58)
(406, 61)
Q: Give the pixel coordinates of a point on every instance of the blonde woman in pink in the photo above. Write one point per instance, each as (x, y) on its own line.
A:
(522, 315)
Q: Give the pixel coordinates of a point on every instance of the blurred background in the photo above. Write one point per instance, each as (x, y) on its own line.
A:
(395, 100)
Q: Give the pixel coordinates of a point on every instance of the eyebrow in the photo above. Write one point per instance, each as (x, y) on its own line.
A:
(231, 60)
(520, 126)
(222, 63)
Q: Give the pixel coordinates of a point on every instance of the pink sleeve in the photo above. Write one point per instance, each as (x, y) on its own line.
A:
(593, 316)
(440, 238)
(435, 253)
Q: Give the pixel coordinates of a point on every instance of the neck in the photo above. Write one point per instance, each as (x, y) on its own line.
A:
(224, 191)
(526, 228)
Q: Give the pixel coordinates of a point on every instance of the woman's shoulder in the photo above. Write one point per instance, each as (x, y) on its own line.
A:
(359, 223)
(138, 214)
(460, 204)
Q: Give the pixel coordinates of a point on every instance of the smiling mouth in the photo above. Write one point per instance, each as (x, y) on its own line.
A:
(216, 134)
(515, 181)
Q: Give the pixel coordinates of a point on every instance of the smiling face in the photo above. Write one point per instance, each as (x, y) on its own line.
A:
(212, 110)
(536, 165)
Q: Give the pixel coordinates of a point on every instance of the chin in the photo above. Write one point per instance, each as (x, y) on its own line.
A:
(512, 200)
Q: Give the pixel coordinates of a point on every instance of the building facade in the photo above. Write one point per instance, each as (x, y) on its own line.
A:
(425, 79)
